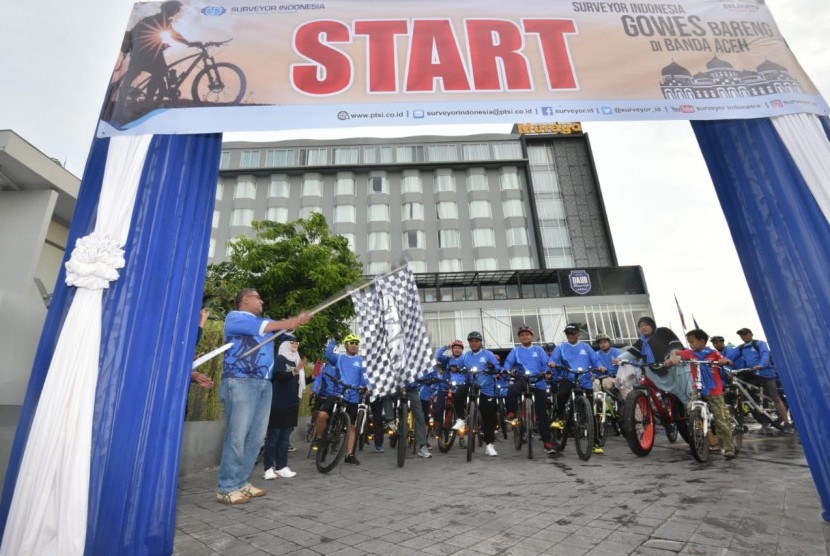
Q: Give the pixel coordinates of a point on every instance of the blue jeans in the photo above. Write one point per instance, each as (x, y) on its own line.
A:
(247, 407)
(276, 448)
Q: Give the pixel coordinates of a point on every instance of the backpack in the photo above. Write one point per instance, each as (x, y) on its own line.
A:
(754, 345)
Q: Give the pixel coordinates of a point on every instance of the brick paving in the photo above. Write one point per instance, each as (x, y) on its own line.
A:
(763, 503)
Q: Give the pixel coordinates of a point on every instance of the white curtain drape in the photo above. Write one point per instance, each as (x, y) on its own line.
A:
(48, 513)
(807, 143)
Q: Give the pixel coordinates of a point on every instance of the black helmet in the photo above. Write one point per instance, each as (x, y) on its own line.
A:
(475, 336)
(549, 346)
(525, 328)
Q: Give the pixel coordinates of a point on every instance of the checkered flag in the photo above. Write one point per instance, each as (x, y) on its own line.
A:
(395, 341)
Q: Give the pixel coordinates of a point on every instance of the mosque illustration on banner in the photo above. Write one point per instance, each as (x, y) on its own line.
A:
(722, 80)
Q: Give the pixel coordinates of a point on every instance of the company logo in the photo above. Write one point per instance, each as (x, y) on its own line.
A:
(580, 281)
(607, 110)
(687, 108)
(342, 115)
(547, 111)
(214, 10)
(417, 113)
(776, 103)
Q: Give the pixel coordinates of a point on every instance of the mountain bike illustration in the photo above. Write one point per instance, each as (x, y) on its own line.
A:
(212, 84)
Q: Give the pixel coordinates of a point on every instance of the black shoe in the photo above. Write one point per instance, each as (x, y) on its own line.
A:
(350, 459)
(787, 428)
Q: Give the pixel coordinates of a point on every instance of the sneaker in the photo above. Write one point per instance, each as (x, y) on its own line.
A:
(787, 428)
(550, 448)
(291, 448)
(423, 451)
(251, 491)
(598, 450)
(379, 449)
(269, 474)
(559, 424)
(232, 498)
(729, 454)
(351, 460)
(285, 472)
(490, 450)
(459, 424)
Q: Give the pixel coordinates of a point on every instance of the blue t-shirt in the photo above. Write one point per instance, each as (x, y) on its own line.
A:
(481, 359)
(574, 357)
(606, 360)
(245, 330)
(532, 359)
(444, 356)
(348, 369)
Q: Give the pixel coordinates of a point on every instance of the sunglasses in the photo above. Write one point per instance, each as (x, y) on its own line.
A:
(352, 343)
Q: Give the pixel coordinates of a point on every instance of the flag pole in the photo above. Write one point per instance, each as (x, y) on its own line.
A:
(325, 305)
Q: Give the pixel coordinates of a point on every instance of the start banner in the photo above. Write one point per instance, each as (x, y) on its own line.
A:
(245, 65)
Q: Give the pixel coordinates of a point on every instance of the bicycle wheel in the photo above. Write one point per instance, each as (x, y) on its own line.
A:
(583, 428)
(736, 419)
(220, 83)
(528, 417)
(446, 435)
(638, 423)
(403, 432)
(559, 437)
(359, 425)
(333, 444)
(501, 413)
(410, 437)
(700, 442)
(600, 425)
(678, 412)
(519, 433)
(472, 419)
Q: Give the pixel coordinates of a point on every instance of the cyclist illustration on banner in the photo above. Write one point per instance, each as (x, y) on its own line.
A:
(394, 331)
(149, 82)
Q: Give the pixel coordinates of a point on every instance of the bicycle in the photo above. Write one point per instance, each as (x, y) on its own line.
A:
(361, 430)
(332, 444)
(752, 399)
(403, 433)
(640, 407)
(701, 420)
(502, 422)
(579, 420)
(215, 83)
(606, 412)
(523, 430)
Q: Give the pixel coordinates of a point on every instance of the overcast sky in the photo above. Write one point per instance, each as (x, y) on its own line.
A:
(58, 56)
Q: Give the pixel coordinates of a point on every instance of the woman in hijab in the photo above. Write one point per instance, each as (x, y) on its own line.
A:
(288, 366)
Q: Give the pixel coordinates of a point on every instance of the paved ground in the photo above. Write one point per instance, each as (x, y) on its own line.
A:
(758, 504)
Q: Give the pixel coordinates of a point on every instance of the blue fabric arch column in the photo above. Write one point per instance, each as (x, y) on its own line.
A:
(783, 241)
(149, 332)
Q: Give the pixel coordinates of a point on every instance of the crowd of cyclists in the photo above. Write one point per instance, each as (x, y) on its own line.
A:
(550, 372)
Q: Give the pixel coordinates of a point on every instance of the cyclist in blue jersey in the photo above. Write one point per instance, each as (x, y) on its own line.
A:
(486, 362)
(531, 359)
(755, 354)
(567, 357)
(453, 362)
(607, 354)
(349, 369)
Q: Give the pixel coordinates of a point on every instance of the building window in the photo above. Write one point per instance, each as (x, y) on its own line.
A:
(279, 157)
(414, 239)
(346, 155)
(211, 248)
(444, 181)
(545, 181)
(519, 263)
(449, 265)
(551, 209)
(279, 187)
(480, 209)
(345, 184)
(418, 266)
(313, 157)
(386, 156)
(442, 153)
(477, 151)
(378, 241)
(411, 182)
(305, 212)
(516, 237)
(540, 155)
(409, 153)
(245, 189)
(412, 211)
(377, 213)
(378, 267)
(370, 155)
(509, 178)
(249, 159)
(215, 223)
(224, 161)
(487, 264)
(447, 210)
(242, 217)
(477, 181)
(349, 237)
(449, 238)
(312, 185)
(484, 237)
(513, 207)
(344, 214)
(220, 190)
(277, 214)
(507, 151)
(378, 184)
